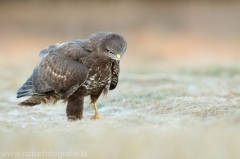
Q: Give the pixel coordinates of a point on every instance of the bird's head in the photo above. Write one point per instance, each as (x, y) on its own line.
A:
(110, 44)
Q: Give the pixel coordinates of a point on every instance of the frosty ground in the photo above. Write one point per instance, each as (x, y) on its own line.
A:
(168, 114)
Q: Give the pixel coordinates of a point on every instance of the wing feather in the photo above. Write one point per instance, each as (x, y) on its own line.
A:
(48, 50)
(115, 73)
(60, 72)
(60, 69)
(38, 85)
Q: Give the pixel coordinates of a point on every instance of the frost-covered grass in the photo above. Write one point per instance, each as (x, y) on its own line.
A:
(150, 115)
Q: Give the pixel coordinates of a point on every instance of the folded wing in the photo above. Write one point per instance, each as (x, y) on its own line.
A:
(58, 72)
(115, 73)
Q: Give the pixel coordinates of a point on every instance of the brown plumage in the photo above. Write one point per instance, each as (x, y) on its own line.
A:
(74, 70)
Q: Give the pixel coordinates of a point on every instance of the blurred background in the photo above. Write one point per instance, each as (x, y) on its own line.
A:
(160, 34)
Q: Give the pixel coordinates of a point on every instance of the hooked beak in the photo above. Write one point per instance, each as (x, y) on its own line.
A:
(118, 56)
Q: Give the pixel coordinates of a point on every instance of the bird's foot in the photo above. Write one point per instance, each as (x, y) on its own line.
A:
(96, 117)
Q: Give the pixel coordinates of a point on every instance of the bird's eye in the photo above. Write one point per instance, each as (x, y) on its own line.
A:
(111, 52)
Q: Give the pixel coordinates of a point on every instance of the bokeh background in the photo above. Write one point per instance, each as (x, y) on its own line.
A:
(159, 33)
(178, 95)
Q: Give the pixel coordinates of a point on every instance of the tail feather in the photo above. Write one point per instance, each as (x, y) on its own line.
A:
(36, 100)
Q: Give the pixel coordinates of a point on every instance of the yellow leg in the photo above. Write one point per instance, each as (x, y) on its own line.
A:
(96, 116)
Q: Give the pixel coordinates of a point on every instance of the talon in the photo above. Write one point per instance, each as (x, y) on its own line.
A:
(96, 117)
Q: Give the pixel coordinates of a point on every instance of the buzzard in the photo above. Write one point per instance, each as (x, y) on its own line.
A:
(73, 70)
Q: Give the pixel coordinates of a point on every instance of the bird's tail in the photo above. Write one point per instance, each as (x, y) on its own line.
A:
(32, 101)
(36, 100)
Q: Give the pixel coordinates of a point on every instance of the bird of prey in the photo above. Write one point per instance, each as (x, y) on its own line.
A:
(73, 70)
